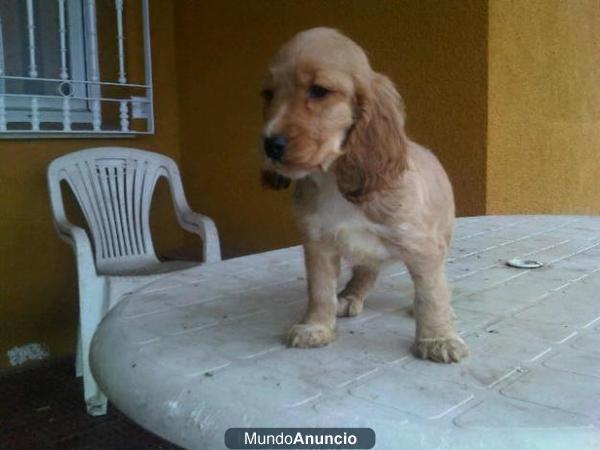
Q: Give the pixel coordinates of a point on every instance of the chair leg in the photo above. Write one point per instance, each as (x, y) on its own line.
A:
(91, 311)
(78, 357)
(97, 405)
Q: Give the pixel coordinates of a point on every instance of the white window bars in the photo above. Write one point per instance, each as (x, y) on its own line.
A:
(64, 69)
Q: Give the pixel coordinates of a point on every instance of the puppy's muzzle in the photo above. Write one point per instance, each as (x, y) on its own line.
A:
(275, 147)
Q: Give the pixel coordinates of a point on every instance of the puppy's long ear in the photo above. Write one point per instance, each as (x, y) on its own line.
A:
(273, 180)
(375, 149)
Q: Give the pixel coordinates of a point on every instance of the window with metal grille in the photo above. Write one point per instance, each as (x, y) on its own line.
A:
(75, 68)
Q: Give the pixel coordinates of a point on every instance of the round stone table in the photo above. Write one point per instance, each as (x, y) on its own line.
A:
(201, 350)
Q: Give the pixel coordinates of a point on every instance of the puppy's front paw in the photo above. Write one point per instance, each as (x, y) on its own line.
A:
(446, 350)
(309, 335)
(349, 306)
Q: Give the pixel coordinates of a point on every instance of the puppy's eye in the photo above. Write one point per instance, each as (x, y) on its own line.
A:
(267, 95)
(316, 91)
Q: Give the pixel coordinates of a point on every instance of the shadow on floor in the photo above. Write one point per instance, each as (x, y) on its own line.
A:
(42, 408)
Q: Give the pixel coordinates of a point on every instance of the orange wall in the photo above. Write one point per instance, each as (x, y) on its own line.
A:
(37, 273)
(434, 50)
(544, 107)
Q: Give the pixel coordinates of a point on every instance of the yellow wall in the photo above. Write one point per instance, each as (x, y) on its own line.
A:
(37, 273)
(434, 50)
(544, 107)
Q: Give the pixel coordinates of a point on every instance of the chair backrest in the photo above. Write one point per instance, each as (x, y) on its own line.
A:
(114, 188)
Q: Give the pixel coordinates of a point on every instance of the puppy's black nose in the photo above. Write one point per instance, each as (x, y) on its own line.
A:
(275, 147)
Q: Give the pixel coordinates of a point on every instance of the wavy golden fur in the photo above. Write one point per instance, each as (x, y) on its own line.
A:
(375, 150)
(363, 190)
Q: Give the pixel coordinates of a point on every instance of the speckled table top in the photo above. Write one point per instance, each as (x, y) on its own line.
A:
(201, 350)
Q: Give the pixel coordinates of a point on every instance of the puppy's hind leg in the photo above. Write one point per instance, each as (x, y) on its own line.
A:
(352, 298)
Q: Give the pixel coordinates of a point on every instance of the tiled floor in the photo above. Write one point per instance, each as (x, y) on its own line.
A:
(42, 408)
(214, 333)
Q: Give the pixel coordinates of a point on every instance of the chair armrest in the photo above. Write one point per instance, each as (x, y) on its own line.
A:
(191, 221)
(204, 227)
(78, 239)
(73, 235)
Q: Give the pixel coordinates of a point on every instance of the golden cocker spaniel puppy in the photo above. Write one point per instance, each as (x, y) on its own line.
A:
(363, 190)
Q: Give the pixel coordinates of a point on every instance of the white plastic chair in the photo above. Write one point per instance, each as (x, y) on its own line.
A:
(114, 188)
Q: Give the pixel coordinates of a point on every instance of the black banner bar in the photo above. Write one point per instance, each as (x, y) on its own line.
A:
(299, 438)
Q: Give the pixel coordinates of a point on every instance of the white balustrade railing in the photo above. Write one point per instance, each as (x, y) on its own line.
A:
(66, 114)
(96, 118)
(92, 38)
(121, 40)
(80, 105)
(1, 54)
(35, 114)
(31, 34)
(2, 115)
(124, 115)
(62, 30)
